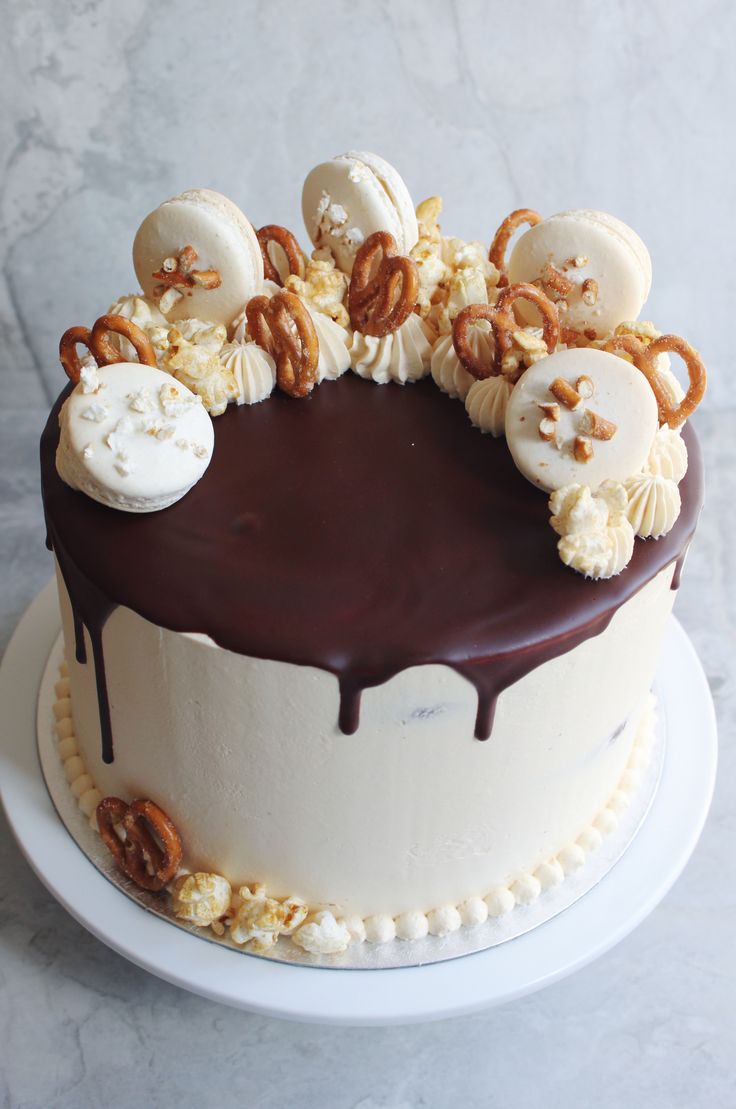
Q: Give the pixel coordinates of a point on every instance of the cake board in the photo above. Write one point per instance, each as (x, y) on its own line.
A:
(586, 929)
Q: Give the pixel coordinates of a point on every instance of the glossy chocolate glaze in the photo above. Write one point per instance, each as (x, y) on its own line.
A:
(363, 530)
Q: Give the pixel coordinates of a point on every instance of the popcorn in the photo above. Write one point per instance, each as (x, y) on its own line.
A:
(322, 935)
(432, 272)
(89, 378)
(95, 413)
(260, 920)
(324, 288)
(596, 538)
(174, 402)
(201, 898)
(428, 214)
(140, 401)
(196, 364)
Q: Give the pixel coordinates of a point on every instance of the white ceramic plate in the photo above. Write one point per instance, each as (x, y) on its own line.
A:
(587, 929)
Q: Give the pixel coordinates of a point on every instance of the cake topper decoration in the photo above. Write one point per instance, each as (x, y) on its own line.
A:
(505, 329)
(580, 416)
(383, 287)
(283, 326)
(151, 851)
(281, 238)
(499, 246)
(98, 343)
(595, 268)
(197, 255)
(644, 358)
(348, 198)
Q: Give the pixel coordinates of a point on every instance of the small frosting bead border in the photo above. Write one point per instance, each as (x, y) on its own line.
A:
(522, 890)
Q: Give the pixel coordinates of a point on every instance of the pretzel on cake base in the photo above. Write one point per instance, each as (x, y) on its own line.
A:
(499, 246)
(98, 343)
(644, 358)
(283, 327)
(273, 233)
(151, 851)
(503, 325)
(384, 287)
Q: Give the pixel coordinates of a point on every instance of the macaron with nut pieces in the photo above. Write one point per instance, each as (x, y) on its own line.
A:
(593, 265)
(133, 437)
(580, 416)
(197, 255)
(348, 198)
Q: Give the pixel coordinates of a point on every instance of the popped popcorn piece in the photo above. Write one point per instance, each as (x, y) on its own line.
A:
(201, 898)
(260, 920)
(140, 401)
(124, 464)
(324, 288)
(89, 378)
(322, 935)
(428, 214)
(596, 538)
(197, 365)
(95, 413)
(175, 402)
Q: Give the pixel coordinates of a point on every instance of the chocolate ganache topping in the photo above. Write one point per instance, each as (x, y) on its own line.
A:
(363, 531)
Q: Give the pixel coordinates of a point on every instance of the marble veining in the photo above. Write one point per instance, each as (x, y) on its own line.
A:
(107, 109)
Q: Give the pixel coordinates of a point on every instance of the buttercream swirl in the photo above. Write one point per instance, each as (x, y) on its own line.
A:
(253, 369)
(334, 356)
(668, 455)
(486, 404)
(448, 371)
(402, 355)
(654, 504)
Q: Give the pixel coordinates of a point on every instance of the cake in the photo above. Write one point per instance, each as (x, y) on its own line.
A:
(330, 673)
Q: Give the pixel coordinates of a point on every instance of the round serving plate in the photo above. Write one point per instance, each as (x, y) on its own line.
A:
(669, 822)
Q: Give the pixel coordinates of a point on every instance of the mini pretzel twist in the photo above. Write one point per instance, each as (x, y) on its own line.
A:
(499, 246)
(283, 326)
(98, 343)
(151, 851)
(644, 358)
(273, 233)
(503, 324)
(384, 287)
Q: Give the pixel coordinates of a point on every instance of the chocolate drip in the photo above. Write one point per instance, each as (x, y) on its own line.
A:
(363, 531)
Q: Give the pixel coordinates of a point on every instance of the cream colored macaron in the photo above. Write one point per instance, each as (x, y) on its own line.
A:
(133, 437)
(224, 244)
(580, 416)
(348, 198)
(605, 263)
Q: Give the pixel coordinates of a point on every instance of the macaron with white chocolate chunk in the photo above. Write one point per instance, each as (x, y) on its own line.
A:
(197, 256)
(591, 264)
(349, 198)
(580, 416)
(133, 437)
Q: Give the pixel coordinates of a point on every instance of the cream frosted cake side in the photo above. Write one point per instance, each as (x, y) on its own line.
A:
(343, 686)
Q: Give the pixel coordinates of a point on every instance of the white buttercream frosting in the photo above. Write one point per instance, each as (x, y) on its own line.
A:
(412, 925)
(654, 504)
(379, 928)
(140, 311)
(668, 455)
(596, 538)
(443, 921)
(486, 404)
(402, 355)
(499, 901)
(334, 341)
(253, 369)
(448, 371)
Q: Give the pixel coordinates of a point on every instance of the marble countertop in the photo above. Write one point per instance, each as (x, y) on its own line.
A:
(616, 106)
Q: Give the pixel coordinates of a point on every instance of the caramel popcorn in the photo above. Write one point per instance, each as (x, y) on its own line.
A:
(324, 288)
(260, 920)
(197, 365)
(200, 898)
(428, 214)
(596, 538)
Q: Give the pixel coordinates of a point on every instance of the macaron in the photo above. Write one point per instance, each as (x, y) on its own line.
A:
(605, 269)
(348, 198)
(214, 279)
(580, 416)
(133, 437)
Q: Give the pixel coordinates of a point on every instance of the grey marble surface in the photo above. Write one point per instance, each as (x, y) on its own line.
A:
(107, 109)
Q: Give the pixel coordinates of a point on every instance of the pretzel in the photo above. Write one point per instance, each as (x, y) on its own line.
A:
(98, 343)
(177, 272)
(283, 326)
(503, 324)
(497, 253)
(151, 852)
(382, 295)
(644, 357)
(273, 233)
